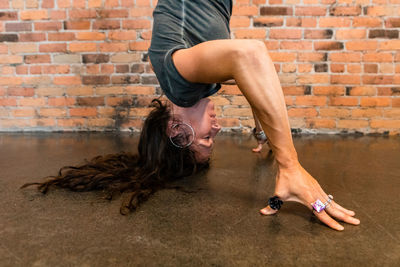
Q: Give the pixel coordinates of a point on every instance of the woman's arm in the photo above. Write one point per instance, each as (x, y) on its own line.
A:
(248, 62)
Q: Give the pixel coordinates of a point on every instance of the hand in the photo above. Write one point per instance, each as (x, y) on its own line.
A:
(261, 140)
(296, 184)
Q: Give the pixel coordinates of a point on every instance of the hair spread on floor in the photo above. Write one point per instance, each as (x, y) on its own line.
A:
(157, 163)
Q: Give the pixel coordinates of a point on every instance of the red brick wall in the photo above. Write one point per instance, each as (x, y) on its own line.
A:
(82, 64)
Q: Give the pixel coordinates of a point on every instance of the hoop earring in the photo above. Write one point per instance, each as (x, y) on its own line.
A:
(190, 142)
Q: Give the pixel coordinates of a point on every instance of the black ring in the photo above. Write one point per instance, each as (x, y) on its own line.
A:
(275, 203)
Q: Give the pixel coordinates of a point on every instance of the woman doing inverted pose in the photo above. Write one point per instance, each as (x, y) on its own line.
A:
(191, 54)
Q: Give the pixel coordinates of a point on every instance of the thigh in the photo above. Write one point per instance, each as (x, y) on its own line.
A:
(209, 62)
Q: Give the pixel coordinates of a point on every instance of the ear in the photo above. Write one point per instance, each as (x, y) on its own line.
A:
(181, 134)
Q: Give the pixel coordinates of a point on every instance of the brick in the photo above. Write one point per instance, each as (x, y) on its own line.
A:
(31, 37)
(82, 47)
(361, 45)
(343, 101)
(49, 91)
(137, 68)
(48, 26)
(80, 91)
(329, 90)
(289, 68)
(370, 68)
(33, 14)
(313, 78)
(139, 46)
(111, 90)
(386, 124)
(140, 111)
(386, 68)
(140, 11)
(53, 112)
(22, 48)
(82, 112)
(95, 58)
(140, 90)
(62, 36)
(113, 13)
(345, 57)
(19, 27)
(375, 102)
(310, 100)
(57, 47)
(58, 14)
(107, 68)
(8, 102)
(245, 10)
(366, 113)
(328, 45)
(384, 10)
(392, 23)
(321, 67)
(275, 10)
(76, 25)
(29, 101)
(352, 124)
(33, 59)
(377, 79)
(23, 112)
(71, 122)
(334, 112)
(390, 45)
(318, 34)
(391, 113)
(242, 22)
(8, 81)
(320, 123)
(337, 67)
(125, 79)
(90, 101)
(61, 101)
(367, 22)
(66, 58)
(302, 112)
(36, 80)
(389, 34)
(310, 11)
(8, 15)
(230, 90)
(106, 25)
(113, 47)
(361, 91)
(126, 58)
(79, 14)
(21, 69)
(311, 57)
(267, 22)
(285, 33)
(20, 91)
(8, 38)
(345, 79)
(377, 57)
(345, 10)
(282, 56)
(346, 34)
(47, 3)
(90, 36)
(296, 90)
(66, 80)
(122, 35)
(296, 45)
(334, 22)
(98, 79)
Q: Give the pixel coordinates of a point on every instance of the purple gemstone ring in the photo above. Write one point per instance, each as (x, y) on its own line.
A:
(318, 206)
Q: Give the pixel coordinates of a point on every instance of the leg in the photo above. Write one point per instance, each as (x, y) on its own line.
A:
(248, 62)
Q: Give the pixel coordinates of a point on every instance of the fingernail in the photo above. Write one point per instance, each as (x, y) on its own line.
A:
(357, 221)
(341, 228)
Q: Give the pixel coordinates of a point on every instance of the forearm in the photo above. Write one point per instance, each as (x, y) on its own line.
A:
(260, 84)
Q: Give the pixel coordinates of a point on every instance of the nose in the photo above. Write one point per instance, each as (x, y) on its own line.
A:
(216, 127)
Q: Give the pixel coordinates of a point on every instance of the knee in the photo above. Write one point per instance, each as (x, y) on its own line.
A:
(250, 52)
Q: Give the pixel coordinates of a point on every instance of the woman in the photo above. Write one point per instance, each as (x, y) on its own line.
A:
(191, 54)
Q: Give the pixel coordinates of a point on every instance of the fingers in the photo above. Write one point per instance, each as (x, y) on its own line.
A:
(258, 148)
(268, 211)
(348, 212)
(340, 215)
(325, 218)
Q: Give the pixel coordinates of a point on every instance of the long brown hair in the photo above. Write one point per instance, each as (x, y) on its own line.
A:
(157, 163)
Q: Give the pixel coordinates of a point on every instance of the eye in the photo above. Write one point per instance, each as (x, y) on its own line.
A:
(207, 137)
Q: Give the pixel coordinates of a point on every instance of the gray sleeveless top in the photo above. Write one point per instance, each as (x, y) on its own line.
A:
(182, 24)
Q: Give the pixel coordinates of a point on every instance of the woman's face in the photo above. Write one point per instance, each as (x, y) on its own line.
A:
(204, 122)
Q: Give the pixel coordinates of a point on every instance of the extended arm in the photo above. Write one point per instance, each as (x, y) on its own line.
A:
(248, 62)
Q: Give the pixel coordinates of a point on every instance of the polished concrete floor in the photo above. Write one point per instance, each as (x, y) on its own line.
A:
(217, 224)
